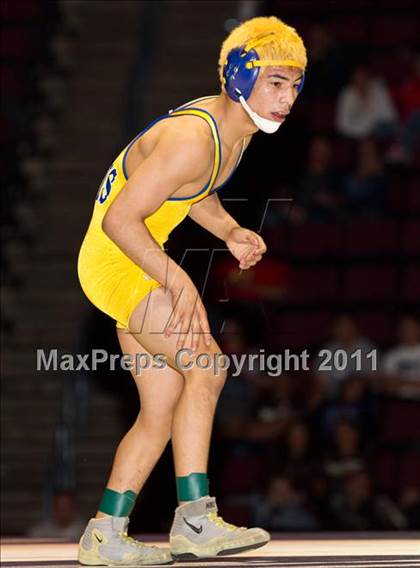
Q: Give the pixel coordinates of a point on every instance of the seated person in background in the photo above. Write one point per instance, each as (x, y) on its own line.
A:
(318, 197)
(236, 404)
(254, 407)
(345, 456)
(65, 521)
(365, 107)
(274, 411)
(284, 508)
(407, 97)
(352, 405)
(364, 189)
(357, 507)
(345, 337)
(294, 456)
(401, 364)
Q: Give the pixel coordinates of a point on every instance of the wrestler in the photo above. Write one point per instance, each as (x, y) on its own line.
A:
(172, 169)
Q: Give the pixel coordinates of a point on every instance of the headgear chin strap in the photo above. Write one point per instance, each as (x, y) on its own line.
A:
(267, 126)
(240, 73)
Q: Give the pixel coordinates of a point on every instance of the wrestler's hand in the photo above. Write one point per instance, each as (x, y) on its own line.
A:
(189, 316)
(246, 246)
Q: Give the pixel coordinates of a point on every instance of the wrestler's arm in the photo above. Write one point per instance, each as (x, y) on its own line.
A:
(210, 214)
(245, 245)
(179, 158)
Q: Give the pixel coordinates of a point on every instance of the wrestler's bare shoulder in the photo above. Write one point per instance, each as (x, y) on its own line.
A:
(190, 130)
(189, 138)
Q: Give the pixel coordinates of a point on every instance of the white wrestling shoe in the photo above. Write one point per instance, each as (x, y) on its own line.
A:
(105, 543)
(198, 532)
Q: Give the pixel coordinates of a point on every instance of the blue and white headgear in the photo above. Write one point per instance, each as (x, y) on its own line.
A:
(242, 67)
(240, 73)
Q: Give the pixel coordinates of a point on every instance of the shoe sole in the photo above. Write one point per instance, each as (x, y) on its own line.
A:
(224, 552)
(87, 559)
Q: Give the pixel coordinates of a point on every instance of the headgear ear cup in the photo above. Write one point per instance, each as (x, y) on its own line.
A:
(239, 79)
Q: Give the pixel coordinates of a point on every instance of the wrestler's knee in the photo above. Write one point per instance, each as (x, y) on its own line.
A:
(206, 373)
(157, 425)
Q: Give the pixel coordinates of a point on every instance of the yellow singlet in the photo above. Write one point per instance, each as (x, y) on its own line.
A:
(111, 280)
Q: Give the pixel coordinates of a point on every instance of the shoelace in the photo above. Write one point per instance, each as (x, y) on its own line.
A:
(129, 540)
(218, 521)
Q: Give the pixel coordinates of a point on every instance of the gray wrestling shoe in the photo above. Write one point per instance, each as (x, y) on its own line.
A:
(198, 532)
(105, 543)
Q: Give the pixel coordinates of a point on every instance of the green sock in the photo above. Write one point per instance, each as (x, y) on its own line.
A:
(117, 504)
(192, 486)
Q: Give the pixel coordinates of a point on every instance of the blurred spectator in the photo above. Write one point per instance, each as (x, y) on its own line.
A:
(346, 457)
(236, 403)
(352, 405)
(318, 197)
(365, 108)
(273, 409)
(401, 364)
(284, 508)
(328, 65)
(408, 100)
(238, 410)
(274, 396)
(295, 458)
(346, 339)
(364, 190)
(66, 521)
(356, 507)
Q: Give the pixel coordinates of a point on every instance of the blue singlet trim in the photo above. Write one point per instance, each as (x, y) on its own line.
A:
(169, 115)
(220, 159)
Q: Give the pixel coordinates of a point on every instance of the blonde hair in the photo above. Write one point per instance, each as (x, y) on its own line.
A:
(286, 44)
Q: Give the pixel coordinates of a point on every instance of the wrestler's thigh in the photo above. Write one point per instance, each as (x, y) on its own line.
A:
(159, 388)
(148, 323)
